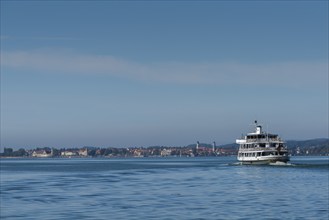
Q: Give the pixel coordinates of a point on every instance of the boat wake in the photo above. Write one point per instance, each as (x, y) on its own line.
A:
(236, 164)
(280, 163)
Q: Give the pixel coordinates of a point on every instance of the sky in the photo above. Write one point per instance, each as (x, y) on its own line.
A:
(168, 73)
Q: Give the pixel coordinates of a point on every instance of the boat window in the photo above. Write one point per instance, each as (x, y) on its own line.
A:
(267, 153)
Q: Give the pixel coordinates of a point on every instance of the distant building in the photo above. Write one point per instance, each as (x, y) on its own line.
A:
(41, 153)
(137, 153)
(165, 152)
(68, 153)
(83, 152)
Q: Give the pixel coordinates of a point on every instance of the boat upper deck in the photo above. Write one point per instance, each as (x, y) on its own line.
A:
(259, 137)
(264, 140)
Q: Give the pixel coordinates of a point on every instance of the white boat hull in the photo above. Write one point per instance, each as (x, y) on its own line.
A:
(263, 159)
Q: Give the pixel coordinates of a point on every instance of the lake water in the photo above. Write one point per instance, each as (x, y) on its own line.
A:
(163, 188)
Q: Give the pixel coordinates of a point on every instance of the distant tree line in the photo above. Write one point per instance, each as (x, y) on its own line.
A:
(9, 152)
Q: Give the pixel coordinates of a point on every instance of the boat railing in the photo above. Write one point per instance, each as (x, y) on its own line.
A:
(261, 148)
(263, 140)
(254, 149)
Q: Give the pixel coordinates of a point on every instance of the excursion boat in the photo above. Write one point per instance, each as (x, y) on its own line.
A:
(261, 148)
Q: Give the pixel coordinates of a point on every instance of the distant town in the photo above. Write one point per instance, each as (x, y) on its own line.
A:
(154, 151)
(319, 147)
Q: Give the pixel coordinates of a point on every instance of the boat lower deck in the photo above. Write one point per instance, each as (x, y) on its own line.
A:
(264, 159)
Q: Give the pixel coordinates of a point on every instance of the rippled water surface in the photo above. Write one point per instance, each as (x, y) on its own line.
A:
(163, 188)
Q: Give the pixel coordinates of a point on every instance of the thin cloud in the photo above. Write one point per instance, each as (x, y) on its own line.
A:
(232, 73)
(4, 37)
(43, 38)
(53, 38)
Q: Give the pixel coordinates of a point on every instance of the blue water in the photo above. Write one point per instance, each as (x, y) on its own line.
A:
(163, 188)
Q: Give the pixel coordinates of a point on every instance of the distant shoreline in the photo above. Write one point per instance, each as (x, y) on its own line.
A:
(313, 147)
(156, 157)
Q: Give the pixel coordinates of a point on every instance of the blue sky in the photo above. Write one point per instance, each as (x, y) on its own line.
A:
(169, 73)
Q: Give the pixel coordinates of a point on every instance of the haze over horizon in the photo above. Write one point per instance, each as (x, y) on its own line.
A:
(125, 74)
